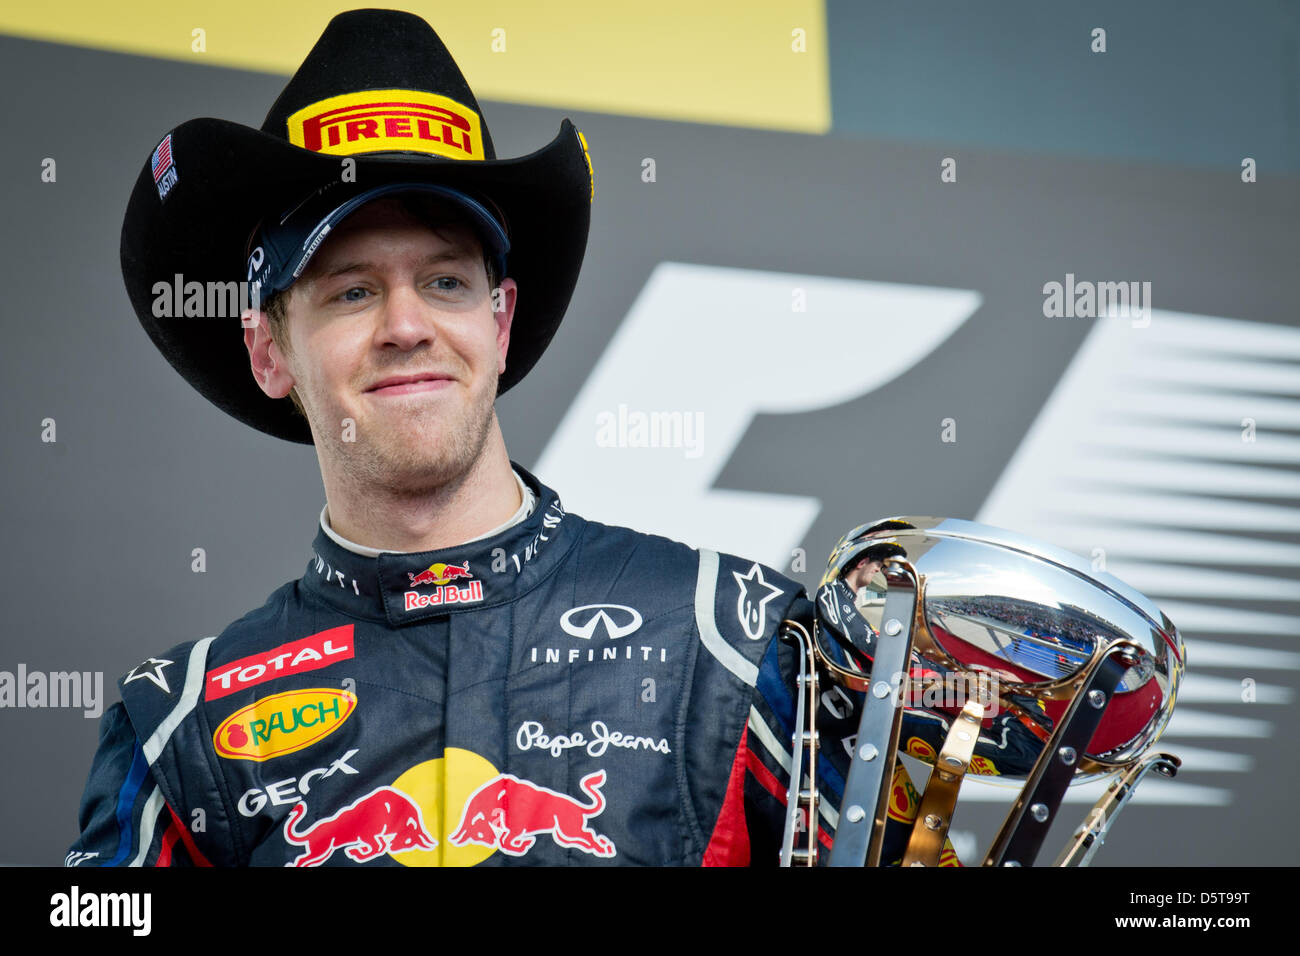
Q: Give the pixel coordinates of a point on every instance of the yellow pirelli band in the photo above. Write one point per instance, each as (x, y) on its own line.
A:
(591, 171)
(378, 121)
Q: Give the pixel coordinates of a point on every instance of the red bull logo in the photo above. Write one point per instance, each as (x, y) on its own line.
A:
(439, 573)
(509, 814)
(447, 594)
(444, 592)
(385, 820)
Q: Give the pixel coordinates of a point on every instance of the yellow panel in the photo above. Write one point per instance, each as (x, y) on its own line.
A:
(732, 62)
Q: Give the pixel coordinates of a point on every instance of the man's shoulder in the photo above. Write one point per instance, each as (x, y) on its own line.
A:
(669, 554)
(744, 596)
(176, 676)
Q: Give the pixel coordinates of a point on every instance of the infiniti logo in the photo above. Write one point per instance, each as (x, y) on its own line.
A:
(583, 621)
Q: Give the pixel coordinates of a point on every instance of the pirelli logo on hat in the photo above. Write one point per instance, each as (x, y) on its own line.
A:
(377, 121)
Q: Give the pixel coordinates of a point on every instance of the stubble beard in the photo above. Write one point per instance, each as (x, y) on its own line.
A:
(423, 452)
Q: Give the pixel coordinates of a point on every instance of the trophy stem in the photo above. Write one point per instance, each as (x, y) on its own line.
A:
(1091, 833)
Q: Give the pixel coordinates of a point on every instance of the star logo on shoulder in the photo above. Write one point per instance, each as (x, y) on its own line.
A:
(751, 606)
(152, 669)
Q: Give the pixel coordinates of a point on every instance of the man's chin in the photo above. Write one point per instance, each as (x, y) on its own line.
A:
(416, 455)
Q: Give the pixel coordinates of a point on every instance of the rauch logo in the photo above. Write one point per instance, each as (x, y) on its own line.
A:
(283, 723)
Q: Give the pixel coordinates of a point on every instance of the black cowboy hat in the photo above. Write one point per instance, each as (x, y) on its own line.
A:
(380, 88)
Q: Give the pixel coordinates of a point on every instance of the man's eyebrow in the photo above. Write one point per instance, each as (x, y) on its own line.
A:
(453, 254)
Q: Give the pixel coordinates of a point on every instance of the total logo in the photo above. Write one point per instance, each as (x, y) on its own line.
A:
(456, 810)
(441, 575)
(283, 723)
(297, 657)
(610, 621)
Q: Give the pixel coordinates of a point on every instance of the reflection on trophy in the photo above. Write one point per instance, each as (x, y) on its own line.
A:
(989, 656)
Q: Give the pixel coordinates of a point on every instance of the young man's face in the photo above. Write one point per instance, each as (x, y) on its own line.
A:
(862, 574)
(392, 328)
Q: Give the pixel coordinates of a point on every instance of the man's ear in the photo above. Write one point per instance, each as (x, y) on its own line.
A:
(504, 296)
(267, 360)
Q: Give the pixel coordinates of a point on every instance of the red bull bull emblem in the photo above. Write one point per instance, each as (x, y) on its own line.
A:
(440, 576)
(509, 813)
(383, 821)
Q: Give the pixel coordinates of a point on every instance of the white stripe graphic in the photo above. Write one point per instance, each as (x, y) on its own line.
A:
(1274, 378)
(1150, 449)
(153, 808)
(1153, 507)
(1186, 581)
(1222, 443)
(706, 586)
(1203, 723)
(1214, 761)
(1152, 792)
(1220, 410)
(768, 739)
(189, 697)
(1201, 617)
(1187, 330)
(1123, 541)
(1111, 469)
(1200, 689)
(770, 743)
(1214, 654)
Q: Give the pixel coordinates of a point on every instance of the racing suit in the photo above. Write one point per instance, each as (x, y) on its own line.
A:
(562, 692)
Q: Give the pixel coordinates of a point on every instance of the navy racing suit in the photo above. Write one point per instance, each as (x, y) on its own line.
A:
(562, 692)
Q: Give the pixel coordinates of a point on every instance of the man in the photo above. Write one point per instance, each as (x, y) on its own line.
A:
(861, 574)
(466, 674)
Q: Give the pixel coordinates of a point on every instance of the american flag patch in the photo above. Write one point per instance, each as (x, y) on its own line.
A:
(164, 170)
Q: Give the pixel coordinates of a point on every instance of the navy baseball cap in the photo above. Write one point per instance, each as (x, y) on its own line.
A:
(281, 248)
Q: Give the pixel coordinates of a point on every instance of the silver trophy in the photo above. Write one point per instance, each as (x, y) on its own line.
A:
(960, 623)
